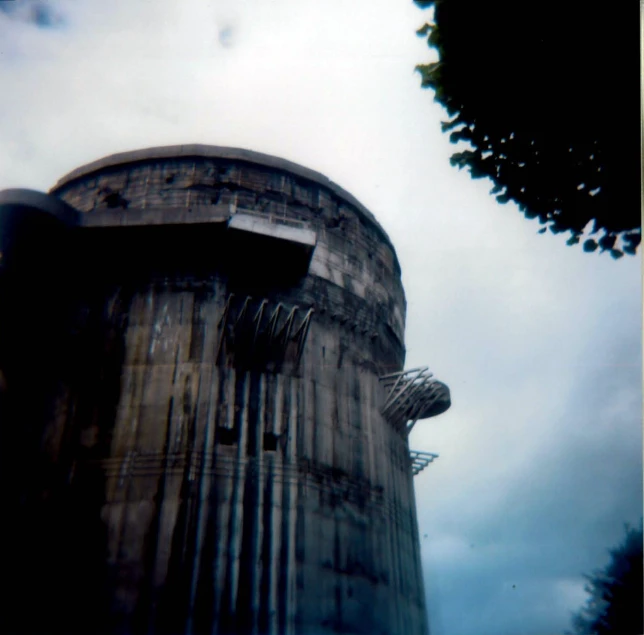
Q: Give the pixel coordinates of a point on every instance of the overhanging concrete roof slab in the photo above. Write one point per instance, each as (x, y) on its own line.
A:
(260, 246)
(273, 229)
(145, 217)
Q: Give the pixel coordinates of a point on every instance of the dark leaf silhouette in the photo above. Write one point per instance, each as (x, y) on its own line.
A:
(615, 605)
(555, 131)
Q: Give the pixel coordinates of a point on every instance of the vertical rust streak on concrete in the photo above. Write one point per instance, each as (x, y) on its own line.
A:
(236, 507)
(206, 467)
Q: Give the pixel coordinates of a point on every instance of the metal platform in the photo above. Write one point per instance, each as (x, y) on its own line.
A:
(420, 460)
(412, 395)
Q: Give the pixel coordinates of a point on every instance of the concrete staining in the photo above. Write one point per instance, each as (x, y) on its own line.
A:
(206, 444)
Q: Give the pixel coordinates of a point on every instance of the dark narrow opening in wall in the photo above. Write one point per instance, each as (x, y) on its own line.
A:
(270, 442)
(226, 436)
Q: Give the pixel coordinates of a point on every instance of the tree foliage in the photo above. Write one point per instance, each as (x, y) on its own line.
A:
(546, 98)
(615, 605)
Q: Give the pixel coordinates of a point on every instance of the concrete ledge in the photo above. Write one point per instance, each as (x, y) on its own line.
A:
(138, 217)
(257, 225)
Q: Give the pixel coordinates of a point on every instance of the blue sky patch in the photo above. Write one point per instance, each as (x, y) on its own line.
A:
(40, 14)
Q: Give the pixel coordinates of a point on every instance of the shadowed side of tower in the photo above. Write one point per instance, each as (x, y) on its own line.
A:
(210, 447)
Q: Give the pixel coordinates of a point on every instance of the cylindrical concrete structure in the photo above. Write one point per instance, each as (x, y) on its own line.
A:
(211, 455)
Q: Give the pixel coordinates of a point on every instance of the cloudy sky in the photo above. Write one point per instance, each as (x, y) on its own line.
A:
(541, 454)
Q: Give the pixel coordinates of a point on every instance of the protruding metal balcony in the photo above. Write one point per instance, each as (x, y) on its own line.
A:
(412, 395)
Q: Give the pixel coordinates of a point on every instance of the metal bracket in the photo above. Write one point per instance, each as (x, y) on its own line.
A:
(263, 335)
(420, 460)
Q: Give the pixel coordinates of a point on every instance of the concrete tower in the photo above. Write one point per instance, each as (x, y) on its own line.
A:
(204, 410)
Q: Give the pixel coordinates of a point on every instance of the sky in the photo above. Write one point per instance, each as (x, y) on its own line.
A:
(541, 453)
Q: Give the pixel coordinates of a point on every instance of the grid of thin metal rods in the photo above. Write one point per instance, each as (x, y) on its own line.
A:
(420, 460)
(410, 393)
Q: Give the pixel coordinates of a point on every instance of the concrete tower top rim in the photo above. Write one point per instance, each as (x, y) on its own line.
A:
(204, 151)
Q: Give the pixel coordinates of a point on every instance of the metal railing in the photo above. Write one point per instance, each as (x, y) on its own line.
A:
(269, 217)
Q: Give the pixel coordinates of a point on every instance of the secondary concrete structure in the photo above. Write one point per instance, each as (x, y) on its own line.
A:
(204, 410)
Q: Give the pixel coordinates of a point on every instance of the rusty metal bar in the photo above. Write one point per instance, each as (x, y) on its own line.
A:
(272, 322)
(258, 318)
(302, 332)
(222, 325)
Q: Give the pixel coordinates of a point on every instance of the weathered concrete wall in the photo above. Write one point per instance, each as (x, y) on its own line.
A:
(218, 438)
(353, 251)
